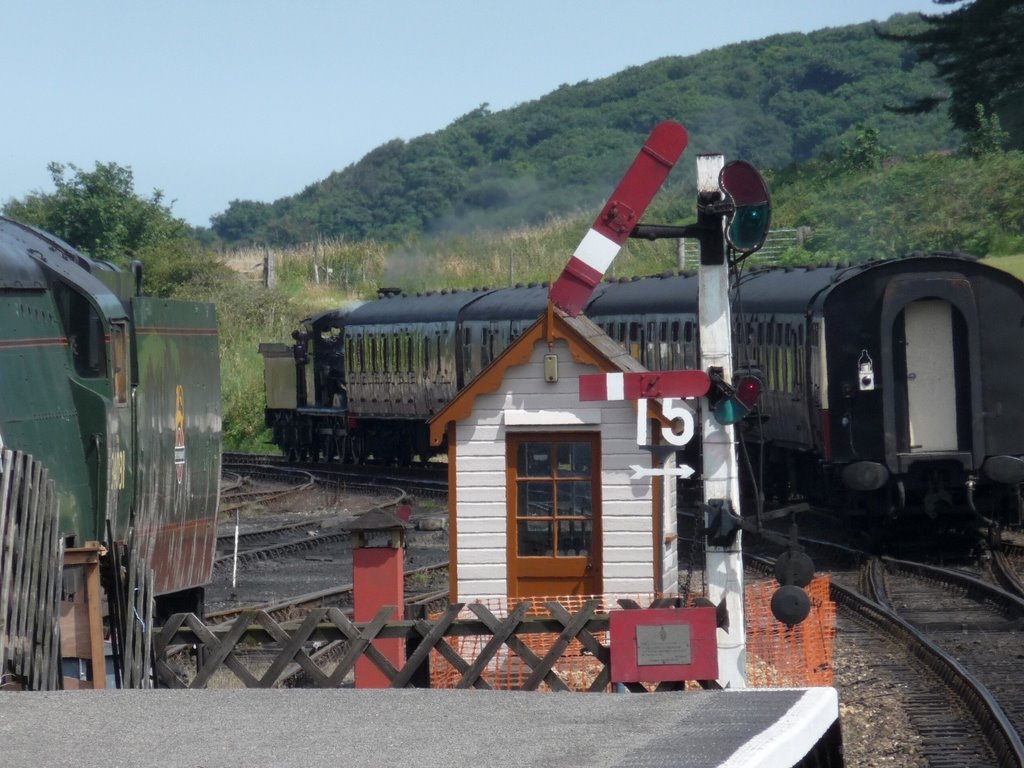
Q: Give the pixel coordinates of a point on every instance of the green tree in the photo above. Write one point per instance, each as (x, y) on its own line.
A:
(864, 152)
(987, 137)
(99, 213)
(978, 50)
(244, 219)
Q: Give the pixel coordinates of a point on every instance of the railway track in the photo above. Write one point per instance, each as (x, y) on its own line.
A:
(942, 643)
(259, 484)
(289, 555)
(421, 587)
(974, 624)
(430, 479)
(1007, 565)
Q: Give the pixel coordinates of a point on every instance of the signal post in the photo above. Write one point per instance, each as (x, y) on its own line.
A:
(723, 564)
(733, 213)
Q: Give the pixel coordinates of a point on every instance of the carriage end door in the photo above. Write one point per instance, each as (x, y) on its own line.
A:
(931, 380)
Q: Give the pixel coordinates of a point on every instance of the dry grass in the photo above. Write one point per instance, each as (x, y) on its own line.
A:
(1012, 264)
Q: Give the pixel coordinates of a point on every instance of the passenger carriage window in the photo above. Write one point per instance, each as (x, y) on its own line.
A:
(787, 352)
(675, 351)
(485, 347)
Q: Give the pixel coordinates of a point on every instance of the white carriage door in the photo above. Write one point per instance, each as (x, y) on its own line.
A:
(931, 386)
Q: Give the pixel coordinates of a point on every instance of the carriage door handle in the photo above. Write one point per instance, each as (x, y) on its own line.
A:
(911, 376)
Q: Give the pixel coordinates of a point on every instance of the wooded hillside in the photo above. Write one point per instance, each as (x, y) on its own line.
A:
(781, 100)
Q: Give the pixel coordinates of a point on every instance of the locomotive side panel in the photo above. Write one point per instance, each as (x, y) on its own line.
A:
(179, 444)
(38, 414)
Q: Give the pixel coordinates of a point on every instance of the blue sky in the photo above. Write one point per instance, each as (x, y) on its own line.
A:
(216, 100)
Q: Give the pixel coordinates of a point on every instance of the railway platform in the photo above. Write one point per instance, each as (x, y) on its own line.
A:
(356, 728)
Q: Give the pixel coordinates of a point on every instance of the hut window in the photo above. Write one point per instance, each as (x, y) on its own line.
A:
(555, 483)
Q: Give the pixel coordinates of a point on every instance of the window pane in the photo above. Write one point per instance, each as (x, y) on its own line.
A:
(574, 459)
(535, 499)
(574, 538)
(535, 538)
(574, 499)
(119, 353)
(534, 459)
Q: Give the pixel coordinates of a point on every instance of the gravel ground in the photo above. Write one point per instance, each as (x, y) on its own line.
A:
(876, 730)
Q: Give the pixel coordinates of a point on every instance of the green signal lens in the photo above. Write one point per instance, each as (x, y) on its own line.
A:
(749, 227)
(729, 411)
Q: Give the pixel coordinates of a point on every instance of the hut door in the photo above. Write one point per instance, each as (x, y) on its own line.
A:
(554, 502)
(931, 383)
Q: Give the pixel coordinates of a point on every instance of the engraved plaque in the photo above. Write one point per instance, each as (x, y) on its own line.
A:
(659, 644)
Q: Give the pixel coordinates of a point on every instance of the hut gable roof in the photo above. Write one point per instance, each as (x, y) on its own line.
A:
(587, 343)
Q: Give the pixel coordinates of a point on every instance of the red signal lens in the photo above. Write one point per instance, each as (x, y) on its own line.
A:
(748, 389)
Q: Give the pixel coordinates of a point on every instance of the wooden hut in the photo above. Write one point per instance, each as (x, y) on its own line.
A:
(544, 499)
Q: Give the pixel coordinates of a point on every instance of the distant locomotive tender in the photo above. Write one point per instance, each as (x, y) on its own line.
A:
(888, 385)
(118, 396)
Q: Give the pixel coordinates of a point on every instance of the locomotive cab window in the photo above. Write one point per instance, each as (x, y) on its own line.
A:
(84, 330)
(119, 355)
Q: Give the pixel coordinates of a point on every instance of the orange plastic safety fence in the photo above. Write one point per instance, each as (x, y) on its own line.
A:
(782, 657)
(777, 655)
(507, 671)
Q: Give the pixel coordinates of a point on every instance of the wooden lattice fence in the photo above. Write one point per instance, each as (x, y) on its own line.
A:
(31, 558)
(229, 646)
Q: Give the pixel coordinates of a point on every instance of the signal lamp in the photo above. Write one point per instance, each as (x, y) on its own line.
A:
(748, 227)
(733, 402)
(790, 605)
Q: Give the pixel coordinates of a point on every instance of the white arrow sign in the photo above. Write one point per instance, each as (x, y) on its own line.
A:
(681, 471)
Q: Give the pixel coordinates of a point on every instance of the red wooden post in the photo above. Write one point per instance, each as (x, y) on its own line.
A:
(405, 512)
(378, 569)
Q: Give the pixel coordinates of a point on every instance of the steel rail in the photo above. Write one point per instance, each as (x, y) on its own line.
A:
(999, 732)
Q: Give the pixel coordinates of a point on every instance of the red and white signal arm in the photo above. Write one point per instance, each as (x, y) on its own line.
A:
(620, 215)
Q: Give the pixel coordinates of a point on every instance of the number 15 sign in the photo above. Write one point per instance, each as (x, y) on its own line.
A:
(666, 385)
